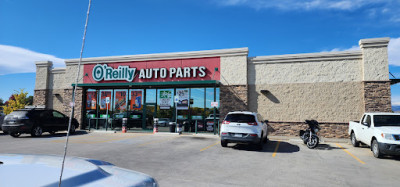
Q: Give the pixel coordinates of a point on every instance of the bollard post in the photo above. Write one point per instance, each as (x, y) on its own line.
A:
(124, 122)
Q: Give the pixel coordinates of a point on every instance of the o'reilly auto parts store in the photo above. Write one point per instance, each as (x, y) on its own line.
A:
(194, 87)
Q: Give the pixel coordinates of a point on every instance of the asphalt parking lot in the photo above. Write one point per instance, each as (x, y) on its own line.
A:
(199, 160)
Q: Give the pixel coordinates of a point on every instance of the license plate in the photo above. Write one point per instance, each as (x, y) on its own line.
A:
(237, 135)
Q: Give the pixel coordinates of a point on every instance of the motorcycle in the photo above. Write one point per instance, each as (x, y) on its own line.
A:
(309, 136)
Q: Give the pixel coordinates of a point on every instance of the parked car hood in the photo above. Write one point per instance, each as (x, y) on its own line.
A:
(44, 170)
(389, 129)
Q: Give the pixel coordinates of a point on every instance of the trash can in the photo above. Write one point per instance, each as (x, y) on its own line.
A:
(172, 126)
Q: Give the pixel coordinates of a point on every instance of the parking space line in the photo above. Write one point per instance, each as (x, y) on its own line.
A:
(276, 149)
(350, 154)
(209, 146)
(157, 141)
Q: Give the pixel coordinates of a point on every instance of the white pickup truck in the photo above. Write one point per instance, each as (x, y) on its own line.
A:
(380, 131)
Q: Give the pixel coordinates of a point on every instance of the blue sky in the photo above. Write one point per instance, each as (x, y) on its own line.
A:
(52, 30)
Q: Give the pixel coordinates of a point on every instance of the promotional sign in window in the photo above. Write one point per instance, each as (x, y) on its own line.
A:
(91, 100)
(104, 95)
(183, 102)
(136, 100)
(120, 100)
(165, 99)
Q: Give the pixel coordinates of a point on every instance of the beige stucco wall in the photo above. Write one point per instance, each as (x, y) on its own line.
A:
(234, 70)
(304, 72)
(42, 73)
(375, 59)
(326, 102)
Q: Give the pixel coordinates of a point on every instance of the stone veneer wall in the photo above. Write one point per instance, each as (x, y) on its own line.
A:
(67, 98)
(328, 130)
(377, 96)
(233, 98)
(40, 97)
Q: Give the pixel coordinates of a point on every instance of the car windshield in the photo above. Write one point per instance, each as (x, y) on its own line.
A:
(387, 120)
(240, 118)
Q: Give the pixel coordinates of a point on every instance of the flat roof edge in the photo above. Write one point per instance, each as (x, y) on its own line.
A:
(307, 57)
(164, 56)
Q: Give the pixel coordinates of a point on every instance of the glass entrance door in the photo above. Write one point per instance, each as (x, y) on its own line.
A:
(150, 111)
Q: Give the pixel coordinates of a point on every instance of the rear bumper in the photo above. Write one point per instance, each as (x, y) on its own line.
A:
(389, 149)
(16, 128)
(246, 138)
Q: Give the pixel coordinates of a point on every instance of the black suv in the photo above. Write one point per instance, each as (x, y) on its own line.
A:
(36, 121)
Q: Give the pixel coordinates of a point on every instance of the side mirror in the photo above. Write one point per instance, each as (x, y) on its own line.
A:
(365, 124)
(266, 121)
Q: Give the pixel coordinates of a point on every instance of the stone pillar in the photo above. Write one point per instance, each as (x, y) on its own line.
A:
(41, 92)
(234, 86)
(375, 75)
(233, 98)
(67, 96)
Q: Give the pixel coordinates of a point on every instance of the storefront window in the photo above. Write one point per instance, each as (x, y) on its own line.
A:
(91, 108)
(165, 108)
(182, 105)
(105, 113)
(197, 108)
(105, 108)
(151, 95)
(211, 97)
(120, 101)
(136, 100)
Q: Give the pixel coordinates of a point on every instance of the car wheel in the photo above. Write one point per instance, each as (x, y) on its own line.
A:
(375, 149)
(260, 144)
(266, 139)
(15, 134)
(37, 131)
(224, 143)
(72, 129)
(354, 141)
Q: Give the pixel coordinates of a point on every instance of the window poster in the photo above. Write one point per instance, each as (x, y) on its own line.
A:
(183, 101)
(165, 99)
(104, 95)
(120, 100)
(136, 100)
(91, 100)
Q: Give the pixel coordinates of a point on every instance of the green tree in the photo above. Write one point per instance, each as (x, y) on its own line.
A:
(17, 101)
(1, 102)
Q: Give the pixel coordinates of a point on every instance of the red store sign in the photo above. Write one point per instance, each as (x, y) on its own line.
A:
(153, 71)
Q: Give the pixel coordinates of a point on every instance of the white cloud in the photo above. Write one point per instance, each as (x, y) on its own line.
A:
(302, 4)
(394, 51)
(395, 100)
(19, 60)
(389, 9)
(353, 48)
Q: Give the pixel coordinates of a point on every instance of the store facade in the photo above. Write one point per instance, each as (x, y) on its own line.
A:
(195, 88)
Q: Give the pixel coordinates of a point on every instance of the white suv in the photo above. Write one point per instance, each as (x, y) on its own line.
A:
(244, 127)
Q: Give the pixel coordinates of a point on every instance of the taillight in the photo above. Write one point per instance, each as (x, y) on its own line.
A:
(225, 122)
(224, 133)
(253, 134)
(252, 123)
